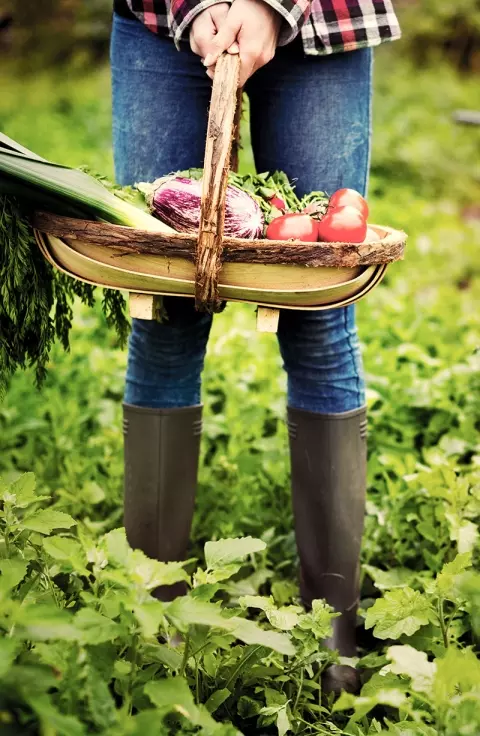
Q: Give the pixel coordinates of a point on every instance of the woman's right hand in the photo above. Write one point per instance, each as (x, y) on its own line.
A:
(205, 27)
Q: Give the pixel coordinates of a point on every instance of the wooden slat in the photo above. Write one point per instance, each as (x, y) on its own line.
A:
(267, 319)
(145, 306)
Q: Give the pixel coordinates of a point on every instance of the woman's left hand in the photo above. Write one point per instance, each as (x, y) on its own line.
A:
(254, 26)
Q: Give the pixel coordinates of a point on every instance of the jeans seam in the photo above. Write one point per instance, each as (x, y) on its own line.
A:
(370, 112)
(352, 354)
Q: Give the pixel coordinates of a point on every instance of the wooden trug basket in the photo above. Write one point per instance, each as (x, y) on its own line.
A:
(210, 267)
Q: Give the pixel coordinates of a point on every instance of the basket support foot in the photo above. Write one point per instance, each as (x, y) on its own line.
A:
(145, 306)
(267, 319)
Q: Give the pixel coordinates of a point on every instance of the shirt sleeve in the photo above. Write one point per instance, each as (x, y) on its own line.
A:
(181, 13)
(294, 14)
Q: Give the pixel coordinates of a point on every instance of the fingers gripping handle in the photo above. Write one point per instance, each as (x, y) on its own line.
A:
(215, 180)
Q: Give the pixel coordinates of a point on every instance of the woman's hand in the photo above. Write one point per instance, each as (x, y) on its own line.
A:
(255, 26)
(205, 28)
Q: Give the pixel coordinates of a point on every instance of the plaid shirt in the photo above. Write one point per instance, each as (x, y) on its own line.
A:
(326, 26)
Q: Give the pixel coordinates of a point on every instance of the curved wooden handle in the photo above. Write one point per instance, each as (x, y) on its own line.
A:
(215, 180)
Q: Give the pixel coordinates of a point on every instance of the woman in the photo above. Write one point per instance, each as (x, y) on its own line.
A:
(310, 108)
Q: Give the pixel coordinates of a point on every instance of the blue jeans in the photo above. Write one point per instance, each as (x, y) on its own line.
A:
(310, 117)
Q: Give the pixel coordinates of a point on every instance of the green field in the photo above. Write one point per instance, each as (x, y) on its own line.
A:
(86, 650)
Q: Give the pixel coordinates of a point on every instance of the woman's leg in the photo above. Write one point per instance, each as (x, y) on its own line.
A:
(160, 108)
(160, 103)
(311, 118)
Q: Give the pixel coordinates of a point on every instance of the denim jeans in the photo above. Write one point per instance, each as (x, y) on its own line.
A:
(310, 117)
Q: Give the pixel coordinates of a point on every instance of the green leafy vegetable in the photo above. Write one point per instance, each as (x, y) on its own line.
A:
(400, 612)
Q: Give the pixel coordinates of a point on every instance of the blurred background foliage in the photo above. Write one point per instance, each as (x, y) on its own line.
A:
(56, 31)
(50, 32)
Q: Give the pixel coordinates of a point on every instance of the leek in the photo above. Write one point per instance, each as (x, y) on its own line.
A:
(61, 189)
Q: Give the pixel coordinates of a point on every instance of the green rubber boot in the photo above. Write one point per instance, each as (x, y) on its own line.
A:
(161, 450)
(329, 463)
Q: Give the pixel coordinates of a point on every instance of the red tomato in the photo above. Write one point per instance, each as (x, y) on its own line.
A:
(342, 225)
(293, 226)
(349, 198)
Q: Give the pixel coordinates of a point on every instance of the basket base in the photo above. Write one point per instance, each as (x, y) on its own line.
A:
(63, 257)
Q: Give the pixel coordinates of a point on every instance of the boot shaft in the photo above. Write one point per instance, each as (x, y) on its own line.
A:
(161, 449)
(328, 461)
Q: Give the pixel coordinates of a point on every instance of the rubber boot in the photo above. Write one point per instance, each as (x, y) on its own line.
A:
(161, 449)
(329, 461)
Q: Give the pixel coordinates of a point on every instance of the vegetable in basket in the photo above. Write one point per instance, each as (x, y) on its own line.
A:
(336, 222)
(176, 200)
(350, 198)
(345, 219)
(273, 198)
(36, 300)
(342, 225)
(293, 225)
(65, 191)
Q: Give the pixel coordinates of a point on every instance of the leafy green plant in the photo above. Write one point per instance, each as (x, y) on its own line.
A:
(85, 645)
(432, 27)
(432, 675)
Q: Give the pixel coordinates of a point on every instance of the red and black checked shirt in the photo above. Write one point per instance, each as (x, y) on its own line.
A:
(326, 26)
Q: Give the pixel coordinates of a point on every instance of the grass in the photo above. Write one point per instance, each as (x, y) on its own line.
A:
(64, 116)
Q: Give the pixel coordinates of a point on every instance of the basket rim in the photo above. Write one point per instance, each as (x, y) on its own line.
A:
(389, 247)
(358, 279)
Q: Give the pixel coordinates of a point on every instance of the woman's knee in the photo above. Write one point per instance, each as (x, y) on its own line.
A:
(175, 342)
(165, 359)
